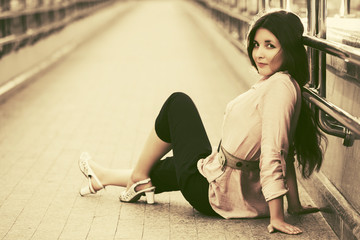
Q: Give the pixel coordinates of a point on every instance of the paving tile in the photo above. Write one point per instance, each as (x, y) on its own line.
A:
(130, 229)
(135, 211)
(103, 227)
(183, 231)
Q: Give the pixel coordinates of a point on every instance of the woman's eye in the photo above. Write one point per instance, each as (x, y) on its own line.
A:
(256, 44)
(270, 45)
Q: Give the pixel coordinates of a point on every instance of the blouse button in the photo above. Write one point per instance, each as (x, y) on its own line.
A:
(222, 160)
(238, 164)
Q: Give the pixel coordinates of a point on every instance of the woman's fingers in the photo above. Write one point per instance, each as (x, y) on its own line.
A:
(285, 228)
(311, 208)
(304, 210)
(270, 228)
(292, 230)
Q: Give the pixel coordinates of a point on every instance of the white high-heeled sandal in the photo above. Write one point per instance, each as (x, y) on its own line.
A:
(89, 174)
(131, 195)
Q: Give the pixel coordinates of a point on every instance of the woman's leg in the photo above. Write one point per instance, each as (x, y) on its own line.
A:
(153, 151)
(178, 127)
(179, 123)
(109, 176)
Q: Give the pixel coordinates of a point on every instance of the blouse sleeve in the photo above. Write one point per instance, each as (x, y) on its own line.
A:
(276, 109)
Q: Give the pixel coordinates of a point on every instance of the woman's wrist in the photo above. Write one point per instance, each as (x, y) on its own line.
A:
(294, 206)
(294, 210)
(276, 209)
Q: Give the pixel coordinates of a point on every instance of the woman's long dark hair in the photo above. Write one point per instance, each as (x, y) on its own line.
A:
(288, 29)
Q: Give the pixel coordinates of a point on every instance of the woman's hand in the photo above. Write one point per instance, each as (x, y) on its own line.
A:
(283, 227)
(302, 210)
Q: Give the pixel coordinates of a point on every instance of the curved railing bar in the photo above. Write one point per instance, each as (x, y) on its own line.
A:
(347, 53)
(343, 117)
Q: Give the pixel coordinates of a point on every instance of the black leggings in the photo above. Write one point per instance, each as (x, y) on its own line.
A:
(179, 123)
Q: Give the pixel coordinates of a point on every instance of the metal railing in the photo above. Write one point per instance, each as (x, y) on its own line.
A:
(345, 125)
(331, 119)
(26, 25)
(347, 53)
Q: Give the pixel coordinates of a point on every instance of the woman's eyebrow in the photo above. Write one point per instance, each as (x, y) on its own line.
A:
(266, 41)
(275, 43)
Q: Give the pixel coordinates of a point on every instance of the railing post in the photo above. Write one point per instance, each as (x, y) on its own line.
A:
(262, 5)
(322, 55)
(285, 4)
(344, 8)
(312, 29)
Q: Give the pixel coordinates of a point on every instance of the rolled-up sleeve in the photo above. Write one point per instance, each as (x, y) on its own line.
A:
(276, 109)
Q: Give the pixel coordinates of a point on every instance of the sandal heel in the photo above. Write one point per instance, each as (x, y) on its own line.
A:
(150, 197)
(85, 191)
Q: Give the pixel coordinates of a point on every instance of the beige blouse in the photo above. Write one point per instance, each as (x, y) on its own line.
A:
(257, 126)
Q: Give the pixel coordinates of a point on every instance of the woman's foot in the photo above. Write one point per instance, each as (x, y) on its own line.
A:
(94, 183)
(137, 188)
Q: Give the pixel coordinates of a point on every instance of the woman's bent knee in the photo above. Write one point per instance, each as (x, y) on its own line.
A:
(179, 96)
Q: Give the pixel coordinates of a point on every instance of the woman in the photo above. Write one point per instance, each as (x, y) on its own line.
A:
(263, 128)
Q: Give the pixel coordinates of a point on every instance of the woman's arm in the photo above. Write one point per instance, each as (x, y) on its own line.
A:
(276, 107)
(294, 205)
(293, 193)
(277, 218)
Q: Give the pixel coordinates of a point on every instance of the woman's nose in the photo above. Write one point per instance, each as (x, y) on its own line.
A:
(259, 52)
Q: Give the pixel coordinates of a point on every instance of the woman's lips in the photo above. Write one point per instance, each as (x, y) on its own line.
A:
(261, 65)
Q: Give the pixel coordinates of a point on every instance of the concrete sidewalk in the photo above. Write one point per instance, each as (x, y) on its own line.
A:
(103, 98)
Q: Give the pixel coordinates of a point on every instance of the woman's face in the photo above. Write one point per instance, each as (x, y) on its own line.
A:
(267, 52)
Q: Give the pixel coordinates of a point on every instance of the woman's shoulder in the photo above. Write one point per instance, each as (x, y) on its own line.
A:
(282, 76)
(282, 86)
(283, 79)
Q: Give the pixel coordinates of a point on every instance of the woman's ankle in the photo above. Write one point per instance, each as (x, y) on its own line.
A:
(136, 177)
(99, 174)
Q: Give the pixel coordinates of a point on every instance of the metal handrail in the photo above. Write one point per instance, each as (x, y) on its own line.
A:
(349, 129)
(54, 7)
(347, 53)
(32, 32)
(13, 14)
(7, 39)
(343, 117)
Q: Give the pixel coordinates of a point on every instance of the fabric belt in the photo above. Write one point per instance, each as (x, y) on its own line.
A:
(225, 158)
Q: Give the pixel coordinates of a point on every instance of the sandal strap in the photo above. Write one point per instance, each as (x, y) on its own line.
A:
(91, 188)
(96, 180)
(88, 172)
(142, 182)
(131, 193)
(133, 187)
